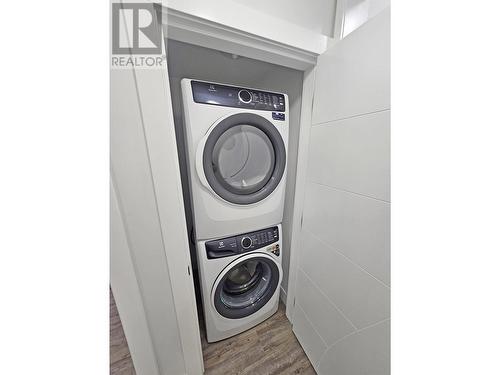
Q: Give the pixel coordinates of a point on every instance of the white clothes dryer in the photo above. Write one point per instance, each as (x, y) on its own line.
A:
(236, 143)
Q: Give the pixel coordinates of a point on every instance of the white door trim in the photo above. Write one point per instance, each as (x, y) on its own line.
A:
(151, 93)
(153, 89)
(298, 50)
(300, 185)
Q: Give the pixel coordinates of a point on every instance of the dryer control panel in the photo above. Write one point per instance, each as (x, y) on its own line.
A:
(238, 97)
(243, 243)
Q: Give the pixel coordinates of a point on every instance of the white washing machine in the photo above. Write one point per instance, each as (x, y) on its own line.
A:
(240, 279)
(236, 142)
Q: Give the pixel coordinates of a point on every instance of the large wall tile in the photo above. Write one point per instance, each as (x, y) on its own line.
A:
(328, 321)
(363, 299)
(365, 352)
(311, 342)
(353, 154)
(353, 76)
(354, 225)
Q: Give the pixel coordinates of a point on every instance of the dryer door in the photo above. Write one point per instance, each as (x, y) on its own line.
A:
(244, 158)
(246, 285)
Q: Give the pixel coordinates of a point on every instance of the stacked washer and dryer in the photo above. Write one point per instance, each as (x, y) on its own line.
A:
(236, 144)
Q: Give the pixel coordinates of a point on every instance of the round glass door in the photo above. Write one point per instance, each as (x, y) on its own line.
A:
(244, 158)
(246, 287)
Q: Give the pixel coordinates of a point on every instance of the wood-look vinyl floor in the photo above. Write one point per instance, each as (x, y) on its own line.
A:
(267, 349)
(120, 361)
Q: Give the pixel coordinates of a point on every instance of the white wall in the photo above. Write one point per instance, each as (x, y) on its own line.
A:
(190, 61)
(314, 15)
(343, 279)
(357, 12)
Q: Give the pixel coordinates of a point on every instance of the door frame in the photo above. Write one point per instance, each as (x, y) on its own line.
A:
(210, 32)
(300, 186)
(160, 138)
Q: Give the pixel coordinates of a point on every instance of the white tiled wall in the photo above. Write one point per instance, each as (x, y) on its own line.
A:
(354, 225)
(343, 279)
(330, 321)
(358, 152)
(363, 299)
(308, 336)
(365, 352)
(354, 75)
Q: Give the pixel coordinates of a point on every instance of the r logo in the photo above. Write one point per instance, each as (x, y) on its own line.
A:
(136, 28)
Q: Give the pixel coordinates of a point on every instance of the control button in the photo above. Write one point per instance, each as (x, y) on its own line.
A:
(245, 96)
(246, 242)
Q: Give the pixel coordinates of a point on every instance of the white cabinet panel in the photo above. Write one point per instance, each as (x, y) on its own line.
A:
(353, 76)
(354, 225)
(326, 319)
(312, 343)
(358, 154)
(365, 352)
(363, 299)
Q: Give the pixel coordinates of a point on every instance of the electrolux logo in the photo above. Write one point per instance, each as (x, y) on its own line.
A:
(136, 35)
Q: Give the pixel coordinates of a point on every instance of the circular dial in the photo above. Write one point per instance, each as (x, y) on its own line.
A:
(245, 96)
(246, 242)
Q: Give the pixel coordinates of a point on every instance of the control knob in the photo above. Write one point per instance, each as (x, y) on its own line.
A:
(246, 242)
(245, 96)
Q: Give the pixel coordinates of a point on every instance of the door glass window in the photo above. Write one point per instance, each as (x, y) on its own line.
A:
(245, 284)
(243, 158)
(246, 287)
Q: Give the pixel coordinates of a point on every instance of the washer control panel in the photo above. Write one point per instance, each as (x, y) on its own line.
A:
(239, 97)
(243, 243)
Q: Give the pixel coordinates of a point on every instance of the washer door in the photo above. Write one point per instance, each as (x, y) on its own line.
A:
(244, 158)
(246, 285)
